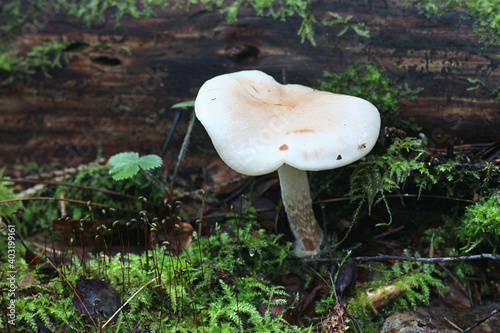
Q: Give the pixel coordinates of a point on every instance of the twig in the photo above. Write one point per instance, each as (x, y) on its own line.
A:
(389, 232)
(404, 195)
(124, 304)
(48, 182)
(481, 320)
(456, 280)
(184, 148)
(69, 200)
(175, 122)
(358, 325)
(490, 256)
(452, 324)
(83, 187)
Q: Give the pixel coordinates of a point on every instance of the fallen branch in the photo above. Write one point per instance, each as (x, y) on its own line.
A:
(70, 200)
(481, 320)
(383, 257)
(83, 187)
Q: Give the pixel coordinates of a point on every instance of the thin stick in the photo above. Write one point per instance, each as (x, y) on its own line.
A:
(404, 195)
(124, 304)
(452, 324)
(69, 200)
(481, 320)
(184, 148)
(175, 122)
(90, 188)
(490, 256)
(52, 183)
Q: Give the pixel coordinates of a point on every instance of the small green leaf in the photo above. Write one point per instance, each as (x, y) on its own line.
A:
(150, 161)
(124, 165)
(124, 158)
(124, 171)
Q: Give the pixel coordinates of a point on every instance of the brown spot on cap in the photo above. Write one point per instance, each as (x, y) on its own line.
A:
(302, 130)
(339, 157)
(284, 147)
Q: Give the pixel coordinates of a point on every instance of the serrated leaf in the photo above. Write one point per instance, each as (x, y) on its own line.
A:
(124, 158)
(124, 165)
(150, 161)
(124, 171)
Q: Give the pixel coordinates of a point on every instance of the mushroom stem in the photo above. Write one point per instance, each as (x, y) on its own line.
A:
(298, 206)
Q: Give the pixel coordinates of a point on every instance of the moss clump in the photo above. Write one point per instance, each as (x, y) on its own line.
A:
(42, 58)
(377, 176)
(481, 224)
(23, 19)
(412, 280)
(215, 285)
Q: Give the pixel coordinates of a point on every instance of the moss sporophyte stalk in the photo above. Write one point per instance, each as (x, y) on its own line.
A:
(186, 294)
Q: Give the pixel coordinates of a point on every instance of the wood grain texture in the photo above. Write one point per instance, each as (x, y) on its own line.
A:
(105, 98)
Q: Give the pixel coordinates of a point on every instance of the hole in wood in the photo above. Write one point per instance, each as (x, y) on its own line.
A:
(244, 51)
(106, 61)
(76, 47)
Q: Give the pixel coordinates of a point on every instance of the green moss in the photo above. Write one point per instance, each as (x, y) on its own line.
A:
(465, 180)
(336, 19)
(214, 286)
(89, 12)
(480, 224)
(42, 58)
(39, 215)
(7, 193)
(20, 20)
(377, 176)
(415, 279)
(404, 165)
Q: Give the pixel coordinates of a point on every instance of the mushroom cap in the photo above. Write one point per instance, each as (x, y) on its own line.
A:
(257, 124)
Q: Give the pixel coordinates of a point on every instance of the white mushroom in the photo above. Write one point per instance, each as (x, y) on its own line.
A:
(258, 125)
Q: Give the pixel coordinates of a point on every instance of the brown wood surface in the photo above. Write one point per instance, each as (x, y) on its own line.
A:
(67, 119)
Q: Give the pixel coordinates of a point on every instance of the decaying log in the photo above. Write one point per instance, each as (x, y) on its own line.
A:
(107, 100)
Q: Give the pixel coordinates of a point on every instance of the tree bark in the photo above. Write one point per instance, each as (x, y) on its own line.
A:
(106, 100)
